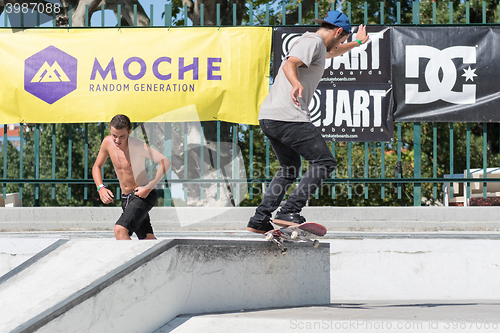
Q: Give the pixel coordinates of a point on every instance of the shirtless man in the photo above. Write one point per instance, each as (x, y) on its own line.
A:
(128, 156)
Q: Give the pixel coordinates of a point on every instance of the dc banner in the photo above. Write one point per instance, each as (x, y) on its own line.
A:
(353, 101)
(446, 74)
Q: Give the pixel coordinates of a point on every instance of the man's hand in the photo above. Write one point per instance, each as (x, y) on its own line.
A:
(361, 34)
(106, 195)
(290, 70)
(142, 192)
(346, 47)
(297, 92)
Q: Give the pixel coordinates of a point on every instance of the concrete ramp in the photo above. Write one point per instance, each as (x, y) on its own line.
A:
(138, 286)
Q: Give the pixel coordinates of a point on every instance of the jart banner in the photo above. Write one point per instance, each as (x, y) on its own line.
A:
(353, 101)
(446, 74)
(160, 74)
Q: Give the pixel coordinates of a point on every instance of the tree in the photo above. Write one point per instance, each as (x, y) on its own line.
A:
(12, 170)
(61, 194)
(459, 11)
(236, 11)
(258, 16)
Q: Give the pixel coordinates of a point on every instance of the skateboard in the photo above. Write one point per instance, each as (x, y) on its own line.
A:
(307, 231)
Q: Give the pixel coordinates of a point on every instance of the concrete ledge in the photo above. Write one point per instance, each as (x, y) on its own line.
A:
(172, 277)
(414, 269)
(374, 219)
(16, 251)
(32, 260)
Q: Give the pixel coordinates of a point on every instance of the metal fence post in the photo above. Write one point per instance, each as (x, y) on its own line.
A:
(417, 164)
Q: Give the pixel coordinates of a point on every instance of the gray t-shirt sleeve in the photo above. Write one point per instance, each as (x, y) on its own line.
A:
(305, 50)
(278, 105)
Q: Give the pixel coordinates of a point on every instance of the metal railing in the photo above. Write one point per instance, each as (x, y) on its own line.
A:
(383, 173)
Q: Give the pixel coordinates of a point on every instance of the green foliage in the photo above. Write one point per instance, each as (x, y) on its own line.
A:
(12, 170)
(362, 12)
(373, 12)
(366, 162)
(369, 165)
(55, 163)
(177, 8)
(366, 159)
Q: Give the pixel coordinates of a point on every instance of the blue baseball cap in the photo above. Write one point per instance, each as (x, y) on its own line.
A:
(336, 18)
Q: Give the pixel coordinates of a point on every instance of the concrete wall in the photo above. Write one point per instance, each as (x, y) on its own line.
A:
(54, 276)
(169, 278)
(383, 219)
(415, 269)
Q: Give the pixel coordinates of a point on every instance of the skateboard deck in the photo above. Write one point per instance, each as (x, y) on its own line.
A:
(307, 231)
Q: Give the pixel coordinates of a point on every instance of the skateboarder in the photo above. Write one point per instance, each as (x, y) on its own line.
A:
(285, 119)
(139, 195)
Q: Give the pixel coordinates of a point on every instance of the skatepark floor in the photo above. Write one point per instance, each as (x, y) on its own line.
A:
(404, 316)
(352, 316)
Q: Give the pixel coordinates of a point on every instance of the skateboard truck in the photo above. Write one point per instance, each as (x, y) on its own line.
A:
(271, 238)
(302, 232)
(303, 235)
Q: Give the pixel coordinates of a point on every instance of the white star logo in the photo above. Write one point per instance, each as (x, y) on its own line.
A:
(469, 74)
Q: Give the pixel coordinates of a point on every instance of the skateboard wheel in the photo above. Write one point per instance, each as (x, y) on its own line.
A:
(316, 243)
(294, 235)
(269, 237)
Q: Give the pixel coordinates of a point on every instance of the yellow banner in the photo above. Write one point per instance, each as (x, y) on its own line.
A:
(89, 75)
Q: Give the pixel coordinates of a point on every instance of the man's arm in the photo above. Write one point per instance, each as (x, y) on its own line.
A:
(105, 194)
(163, 166)
(343, 48)
(290, 70)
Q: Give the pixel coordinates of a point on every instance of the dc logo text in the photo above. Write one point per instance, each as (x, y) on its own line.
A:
(440, 74)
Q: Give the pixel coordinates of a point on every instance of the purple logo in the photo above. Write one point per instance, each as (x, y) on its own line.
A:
(50, 74)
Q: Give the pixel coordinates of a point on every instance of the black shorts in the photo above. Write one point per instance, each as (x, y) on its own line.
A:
(135, 216)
